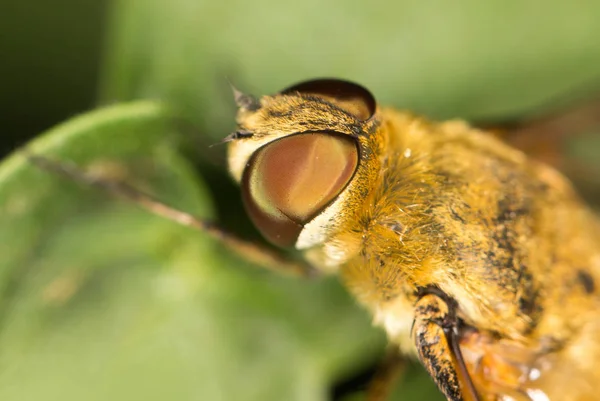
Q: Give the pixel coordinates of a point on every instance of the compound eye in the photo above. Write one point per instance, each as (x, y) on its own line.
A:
(289, 181)
(346, 95)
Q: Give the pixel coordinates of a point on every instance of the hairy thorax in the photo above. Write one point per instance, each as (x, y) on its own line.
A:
(455, 208)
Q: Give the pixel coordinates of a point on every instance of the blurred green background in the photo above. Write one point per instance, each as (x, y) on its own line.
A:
(101, 300)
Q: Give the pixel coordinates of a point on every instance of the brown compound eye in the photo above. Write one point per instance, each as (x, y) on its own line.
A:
(346, 95)
(289, 181)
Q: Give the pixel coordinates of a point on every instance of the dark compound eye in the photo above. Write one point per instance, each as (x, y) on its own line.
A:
(348, 96)
(289, 181)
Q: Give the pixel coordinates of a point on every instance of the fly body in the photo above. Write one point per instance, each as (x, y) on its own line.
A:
(477, 260)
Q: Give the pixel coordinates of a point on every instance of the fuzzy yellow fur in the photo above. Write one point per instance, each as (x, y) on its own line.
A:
(448, 206)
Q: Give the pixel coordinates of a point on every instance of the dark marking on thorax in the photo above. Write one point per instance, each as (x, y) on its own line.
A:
(587, 281)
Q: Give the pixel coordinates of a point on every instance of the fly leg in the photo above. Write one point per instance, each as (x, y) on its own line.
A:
(435, 333)
(389, 371)
(261, 255)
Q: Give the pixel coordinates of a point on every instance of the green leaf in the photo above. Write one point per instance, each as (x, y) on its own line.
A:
(102, 300)
(464, 58)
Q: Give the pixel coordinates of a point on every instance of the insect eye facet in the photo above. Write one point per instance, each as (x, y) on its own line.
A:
(289, 181)
(348, 96)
